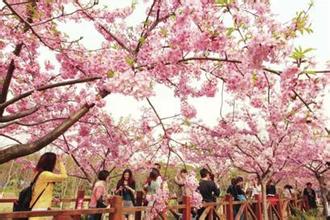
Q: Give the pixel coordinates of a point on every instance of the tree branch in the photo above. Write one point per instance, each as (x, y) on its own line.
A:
(17, 51)
(144, 27)
(268, 90)
(45, 87)
(259, 140)
(21, 114)
(119, 42)
(302, 100)
(19, 150)
(276, 72)
(11, 138)
(76, 161)
(27, 25)
(250, 156)
(63, 15)
(38, 123)
(9, 75)
(240, 168)
(156, 113)
(208, 59)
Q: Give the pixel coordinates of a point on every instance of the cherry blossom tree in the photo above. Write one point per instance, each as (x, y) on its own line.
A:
(95, 143)
(32, 92)
(276, 120)
(265, 143)
(316, 164)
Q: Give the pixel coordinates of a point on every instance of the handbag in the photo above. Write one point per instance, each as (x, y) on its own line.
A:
(241, 197)
(100, 203)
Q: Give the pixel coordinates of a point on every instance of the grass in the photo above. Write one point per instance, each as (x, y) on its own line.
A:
(6, 207)
(309, 215)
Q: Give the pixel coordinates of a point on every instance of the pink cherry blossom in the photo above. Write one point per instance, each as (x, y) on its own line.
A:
(187, 110)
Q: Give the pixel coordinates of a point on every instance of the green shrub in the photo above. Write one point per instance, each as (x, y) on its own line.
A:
(301, 215)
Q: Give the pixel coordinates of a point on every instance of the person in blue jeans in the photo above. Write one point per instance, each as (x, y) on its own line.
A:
(126, 188)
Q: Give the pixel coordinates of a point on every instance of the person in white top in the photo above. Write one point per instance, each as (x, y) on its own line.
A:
(151, 186)
(157, 166)
(288, 192)
(255, 187)
(180, 180)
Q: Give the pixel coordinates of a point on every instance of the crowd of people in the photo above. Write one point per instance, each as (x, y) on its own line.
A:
(45, 178)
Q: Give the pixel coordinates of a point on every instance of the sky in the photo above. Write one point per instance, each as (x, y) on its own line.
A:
(319, 16)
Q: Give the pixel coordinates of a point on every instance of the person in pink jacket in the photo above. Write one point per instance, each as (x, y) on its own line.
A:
(99, 194)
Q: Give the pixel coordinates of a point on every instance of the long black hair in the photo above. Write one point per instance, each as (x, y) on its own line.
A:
(154, 174)
(103, 175)
(46, 162)
(130, 180)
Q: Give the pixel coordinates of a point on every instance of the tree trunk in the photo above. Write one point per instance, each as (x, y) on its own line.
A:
(324, 193)
(264, 199)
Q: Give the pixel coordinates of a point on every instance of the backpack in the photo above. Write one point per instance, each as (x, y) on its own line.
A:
(25, 197)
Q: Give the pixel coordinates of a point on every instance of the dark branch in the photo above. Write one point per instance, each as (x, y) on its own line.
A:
(45, 87)
(11, 138)
(19, 150)
(21, 114)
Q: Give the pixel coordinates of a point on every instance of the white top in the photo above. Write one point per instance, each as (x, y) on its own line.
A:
(287, 194)
(256, 190)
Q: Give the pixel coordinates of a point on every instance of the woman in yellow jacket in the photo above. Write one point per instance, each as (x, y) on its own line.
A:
(42, 194)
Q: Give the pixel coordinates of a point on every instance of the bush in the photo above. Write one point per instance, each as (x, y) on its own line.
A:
(301, 215)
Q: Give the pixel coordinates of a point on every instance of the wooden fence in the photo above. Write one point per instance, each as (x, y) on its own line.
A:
(225, 208)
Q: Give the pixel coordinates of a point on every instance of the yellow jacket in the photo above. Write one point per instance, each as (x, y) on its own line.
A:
(45, 200)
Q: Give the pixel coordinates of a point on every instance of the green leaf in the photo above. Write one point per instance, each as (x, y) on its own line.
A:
(299, 53)
(173, 17)
(130, 60)
(254, 77)
(110, 74)
(310, 71)
(311, 4)
(308, 50)
(301, 21)
(115, 46)
(146, 23)
(229, 31)
(142, 40)
(133, 4)
(192, 146)
(223, 2)
(187, 122)
(163, 32)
